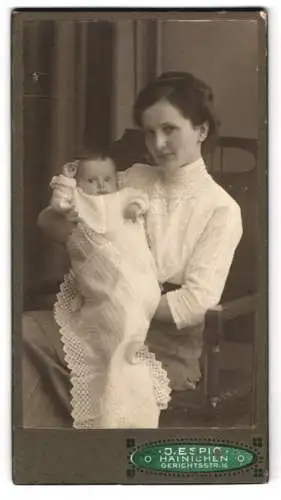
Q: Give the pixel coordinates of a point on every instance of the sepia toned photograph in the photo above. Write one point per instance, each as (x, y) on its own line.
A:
(141, 223)
(139, 246)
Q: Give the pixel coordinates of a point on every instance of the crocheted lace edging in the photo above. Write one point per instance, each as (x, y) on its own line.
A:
(74, 356)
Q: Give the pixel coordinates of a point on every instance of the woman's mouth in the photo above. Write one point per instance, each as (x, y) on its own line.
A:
(165, 156)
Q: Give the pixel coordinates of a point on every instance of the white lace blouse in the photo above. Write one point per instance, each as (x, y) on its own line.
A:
(194, 227)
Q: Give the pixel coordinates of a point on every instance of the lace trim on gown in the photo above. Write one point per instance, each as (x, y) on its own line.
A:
(87, 370)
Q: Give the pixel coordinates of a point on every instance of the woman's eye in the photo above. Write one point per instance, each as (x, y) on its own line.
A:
(107, 179)
(168, 129)
(91, 181)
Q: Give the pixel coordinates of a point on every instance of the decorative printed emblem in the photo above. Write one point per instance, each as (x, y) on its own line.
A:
(189, 457)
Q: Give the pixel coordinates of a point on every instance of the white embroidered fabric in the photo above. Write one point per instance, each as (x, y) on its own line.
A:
(90, 381)
(104, 309)
(194, 227)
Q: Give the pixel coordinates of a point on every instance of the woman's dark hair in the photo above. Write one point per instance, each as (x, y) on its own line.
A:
(191, 96)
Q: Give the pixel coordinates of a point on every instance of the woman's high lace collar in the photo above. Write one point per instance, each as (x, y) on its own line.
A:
(187, 175)
(141, 176)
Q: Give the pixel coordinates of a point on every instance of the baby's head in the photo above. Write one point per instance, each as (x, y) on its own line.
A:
(96, 174)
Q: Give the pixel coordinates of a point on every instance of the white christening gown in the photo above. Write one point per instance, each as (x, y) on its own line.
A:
(104, 310)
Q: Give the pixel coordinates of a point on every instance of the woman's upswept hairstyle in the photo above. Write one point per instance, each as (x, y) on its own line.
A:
(190, 95)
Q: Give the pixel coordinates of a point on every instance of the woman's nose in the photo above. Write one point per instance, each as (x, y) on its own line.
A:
(160, 141)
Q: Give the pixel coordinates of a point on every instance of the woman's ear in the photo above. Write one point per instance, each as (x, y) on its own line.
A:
(203, 131)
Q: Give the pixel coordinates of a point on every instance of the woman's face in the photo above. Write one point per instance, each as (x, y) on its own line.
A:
(171, 138)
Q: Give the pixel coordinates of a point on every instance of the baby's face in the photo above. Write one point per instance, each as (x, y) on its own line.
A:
(97, 177)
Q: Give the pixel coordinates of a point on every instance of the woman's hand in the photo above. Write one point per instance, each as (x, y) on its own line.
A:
(72, 215)
(56, 226)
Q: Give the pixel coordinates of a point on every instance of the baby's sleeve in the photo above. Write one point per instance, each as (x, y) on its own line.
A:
(61, 181)
(62, 193)
(137, 197)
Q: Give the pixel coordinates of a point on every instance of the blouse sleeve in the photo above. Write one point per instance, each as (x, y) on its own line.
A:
(207, 269)
(139, 176)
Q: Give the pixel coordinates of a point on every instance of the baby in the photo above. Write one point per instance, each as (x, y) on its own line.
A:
(93, 175)
(108, 299)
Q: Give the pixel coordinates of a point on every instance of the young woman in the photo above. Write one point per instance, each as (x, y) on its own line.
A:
(193, 225)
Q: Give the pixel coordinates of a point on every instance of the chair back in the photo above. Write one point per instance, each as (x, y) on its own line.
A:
(241, 183)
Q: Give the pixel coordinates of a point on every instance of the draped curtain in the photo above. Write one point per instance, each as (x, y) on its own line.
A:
(80, 82)
(67, 105)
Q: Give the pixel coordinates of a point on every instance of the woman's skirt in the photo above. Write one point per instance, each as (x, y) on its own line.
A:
(46, 379)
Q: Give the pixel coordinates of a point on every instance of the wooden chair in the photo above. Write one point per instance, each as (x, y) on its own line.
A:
(231, 392)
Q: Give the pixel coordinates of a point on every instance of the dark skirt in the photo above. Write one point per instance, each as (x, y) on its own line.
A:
(46, 379)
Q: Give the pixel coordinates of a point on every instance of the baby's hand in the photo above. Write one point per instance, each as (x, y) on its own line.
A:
(132, 212)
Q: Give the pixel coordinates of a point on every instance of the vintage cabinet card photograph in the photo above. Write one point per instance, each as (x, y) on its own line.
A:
(139, 246)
